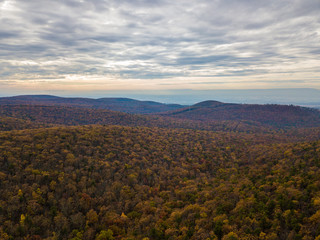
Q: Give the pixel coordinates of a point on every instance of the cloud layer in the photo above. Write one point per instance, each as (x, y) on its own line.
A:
(159, 44)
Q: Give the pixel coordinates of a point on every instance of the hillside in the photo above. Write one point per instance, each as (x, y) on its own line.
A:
(59, 115)
(270, 114)
(115, 104)
(114, 182)
(15, 117)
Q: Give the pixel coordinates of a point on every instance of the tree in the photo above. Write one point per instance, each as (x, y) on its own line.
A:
(105, 235)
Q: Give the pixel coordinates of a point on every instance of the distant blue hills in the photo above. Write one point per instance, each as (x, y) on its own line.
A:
(126, 105)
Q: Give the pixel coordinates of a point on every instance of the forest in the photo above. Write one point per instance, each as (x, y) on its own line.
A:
(70, 172)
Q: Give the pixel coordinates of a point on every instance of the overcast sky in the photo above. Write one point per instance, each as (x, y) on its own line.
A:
(96, 45)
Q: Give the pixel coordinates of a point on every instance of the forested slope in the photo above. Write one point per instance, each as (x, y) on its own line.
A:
(269, 114)
(113, 182)
(60, 115)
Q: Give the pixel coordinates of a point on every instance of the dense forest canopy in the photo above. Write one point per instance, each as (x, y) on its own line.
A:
(79, 173)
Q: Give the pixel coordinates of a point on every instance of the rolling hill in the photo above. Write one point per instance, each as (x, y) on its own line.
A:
(31, 116)
(269, 114)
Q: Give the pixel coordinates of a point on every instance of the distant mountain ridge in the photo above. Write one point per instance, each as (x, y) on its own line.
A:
(268, 114)
(115, 104)
(207, 112)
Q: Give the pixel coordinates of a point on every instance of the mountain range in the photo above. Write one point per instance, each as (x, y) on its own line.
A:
(116, 104)
(93, 111)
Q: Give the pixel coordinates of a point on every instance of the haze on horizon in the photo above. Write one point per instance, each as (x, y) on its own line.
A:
(73, 47)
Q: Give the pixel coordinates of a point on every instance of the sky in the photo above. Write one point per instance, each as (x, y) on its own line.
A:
(82, 47)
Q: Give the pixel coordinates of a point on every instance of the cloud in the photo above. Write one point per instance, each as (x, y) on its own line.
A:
(208, 41)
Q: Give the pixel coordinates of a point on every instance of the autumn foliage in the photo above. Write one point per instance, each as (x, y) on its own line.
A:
(177, 180)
